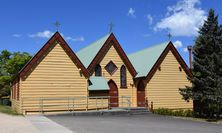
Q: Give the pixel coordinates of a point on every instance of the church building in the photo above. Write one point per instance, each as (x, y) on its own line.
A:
(100, 76)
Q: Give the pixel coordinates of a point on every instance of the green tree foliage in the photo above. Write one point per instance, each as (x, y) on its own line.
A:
(206, 90)
(10, 64)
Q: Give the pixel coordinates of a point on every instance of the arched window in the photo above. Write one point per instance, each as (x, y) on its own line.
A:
(123, 77)
(98, 71)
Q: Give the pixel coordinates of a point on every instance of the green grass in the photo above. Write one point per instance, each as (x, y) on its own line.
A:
(7, 110)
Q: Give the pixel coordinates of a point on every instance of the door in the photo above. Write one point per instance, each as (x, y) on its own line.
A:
(113, 93)
(141, 94)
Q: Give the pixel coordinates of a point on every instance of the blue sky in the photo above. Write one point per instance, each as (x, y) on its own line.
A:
(26, 25)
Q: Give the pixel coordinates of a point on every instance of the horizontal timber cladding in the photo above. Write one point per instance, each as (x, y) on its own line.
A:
(113, 56)
(16, 96)
(55, 76)
(163, 87)
(48, 46)
(16, 105)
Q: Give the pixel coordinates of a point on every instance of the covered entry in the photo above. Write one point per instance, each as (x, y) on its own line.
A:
(113, 93)
(141, 94)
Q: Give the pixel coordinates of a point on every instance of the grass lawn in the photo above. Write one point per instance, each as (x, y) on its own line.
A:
(7, 110)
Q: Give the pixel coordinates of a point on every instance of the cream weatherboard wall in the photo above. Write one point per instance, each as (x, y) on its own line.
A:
(56, 76)
(113, 56)
(16, 95)
(163, 88)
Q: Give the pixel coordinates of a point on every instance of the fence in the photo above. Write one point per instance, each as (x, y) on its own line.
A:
(72, 104)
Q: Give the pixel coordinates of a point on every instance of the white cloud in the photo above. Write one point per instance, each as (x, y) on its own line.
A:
(131, 13)
(149, 18)
(177, 44)
(185, 49)
(183, 19)
(17, 35)
(43, 34)
(48, 34)
(77, 39)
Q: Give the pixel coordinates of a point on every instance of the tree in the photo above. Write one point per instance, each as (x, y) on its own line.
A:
(207, 69)
(4, 57)
(10, 65)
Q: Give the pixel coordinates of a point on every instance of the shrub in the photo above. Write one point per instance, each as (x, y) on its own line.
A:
(179, 112)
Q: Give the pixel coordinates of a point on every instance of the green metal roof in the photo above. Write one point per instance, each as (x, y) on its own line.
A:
(144, 60)
(87, 54)
(98, 83)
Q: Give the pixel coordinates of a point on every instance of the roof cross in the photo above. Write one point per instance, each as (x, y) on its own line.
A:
(169, 36)
(57, 24)
(111, 25)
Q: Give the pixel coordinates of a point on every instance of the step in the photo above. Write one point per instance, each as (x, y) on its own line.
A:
(132, 108)
(113, 111)
(140, 113)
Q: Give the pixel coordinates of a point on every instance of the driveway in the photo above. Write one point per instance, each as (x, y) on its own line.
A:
(16, 124)
(134, 124)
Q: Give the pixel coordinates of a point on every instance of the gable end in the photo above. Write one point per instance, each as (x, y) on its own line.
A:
(109, 42)
(55, 38)
(170, 47)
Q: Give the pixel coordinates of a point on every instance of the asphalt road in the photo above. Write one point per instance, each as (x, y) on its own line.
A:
(134, 124)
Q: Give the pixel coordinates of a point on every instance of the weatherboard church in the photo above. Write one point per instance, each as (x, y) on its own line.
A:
(100, 76)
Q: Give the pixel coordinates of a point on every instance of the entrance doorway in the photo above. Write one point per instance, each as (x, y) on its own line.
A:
(113, 93)
(141, 94)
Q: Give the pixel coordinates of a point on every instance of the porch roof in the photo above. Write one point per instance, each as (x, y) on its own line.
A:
(97, 83)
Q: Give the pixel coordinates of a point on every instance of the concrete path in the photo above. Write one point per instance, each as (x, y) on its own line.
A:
(16, 124)
(45, 125)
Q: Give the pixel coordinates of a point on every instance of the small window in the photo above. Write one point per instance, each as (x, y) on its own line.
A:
(123, 77)
(98, 71)
(111, 68)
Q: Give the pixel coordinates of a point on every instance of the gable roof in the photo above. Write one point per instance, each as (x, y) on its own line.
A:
(154, 56)
(95, 52)
(64, 45)
(88, 53)
(150, 54)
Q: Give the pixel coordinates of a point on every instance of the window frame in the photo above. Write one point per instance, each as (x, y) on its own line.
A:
(123, 67)
(99, 68)
(116, 68)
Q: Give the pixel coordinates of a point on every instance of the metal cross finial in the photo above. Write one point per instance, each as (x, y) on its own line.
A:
(169, 36)
(111, 25)
(57, 24)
